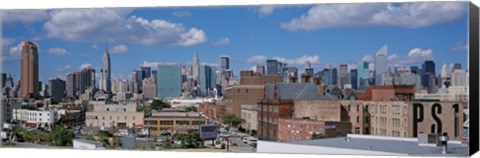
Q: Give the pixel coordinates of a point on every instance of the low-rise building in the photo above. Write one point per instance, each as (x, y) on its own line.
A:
(249, 114)
(35, 118)
(174, 122)
(304, 129)
(121, 115)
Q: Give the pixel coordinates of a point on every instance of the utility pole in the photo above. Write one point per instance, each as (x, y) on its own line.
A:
(113, 135)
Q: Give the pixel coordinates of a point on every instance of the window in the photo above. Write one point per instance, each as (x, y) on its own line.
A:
(348, 107)
(108, 109)
(358, 119)
(133, 118)
(366, 108)
(183, 122)
(358, 108)
(198, 122)
(366, 119)
(357, 130)
(246, 90)
(238, 90)
(166, 122)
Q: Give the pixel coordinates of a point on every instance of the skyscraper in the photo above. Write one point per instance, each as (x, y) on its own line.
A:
(105, 77)
(145, 72)
(363, 74)
(354, 78)
(87, 79)
(272, 67)
(260, 69)
(169, 80)
(71, 84)
(225, 63)
(334, 78)
(380, 64)
(428, 68)
(344, 75)
(29, 70)
(206, 79)
(460, 78)
(195, 66)
(56, 88)
(456, 66)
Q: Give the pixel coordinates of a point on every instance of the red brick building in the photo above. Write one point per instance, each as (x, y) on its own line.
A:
(214, 110)
(303, 129)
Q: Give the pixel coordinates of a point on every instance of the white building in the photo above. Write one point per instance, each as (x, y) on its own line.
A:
(453, 93)
(87, 144)
(35, 118)
(460, 77)
(249, 114)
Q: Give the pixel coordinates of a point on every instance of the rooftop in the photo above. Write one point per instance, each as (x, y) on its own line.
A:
(408, 146)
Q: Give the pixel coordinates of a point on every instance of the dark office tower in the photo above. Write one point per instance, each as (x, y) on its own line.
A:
(456, 66)
(29, 70)
(281, 68)
(145, 72)
(310, 71)
(260, 69)
(327, 76)
(207, 79)
(272, 67)
(57, 89)
(415, 70)
(71, 84)
(428, 68)
(344, 75)
(4, 79)
(87, 79)
(354, 78)
(334, 76)
(225, 63)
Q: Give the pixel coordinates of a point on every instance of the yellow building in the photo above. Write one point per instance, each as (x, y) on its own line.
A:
(174, 122)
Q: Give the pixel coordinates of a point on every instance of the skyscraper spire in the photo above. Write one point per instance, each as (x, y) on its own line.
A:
(105, 77)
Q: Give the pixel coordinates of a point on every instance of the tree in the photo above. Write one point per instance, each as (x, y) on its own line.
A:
(190, 140)
(91, 138)
(61, 136)
(317, 136)
(231, 119)
(159, 104)
(15, 133)
(167, 144)
(191, 108)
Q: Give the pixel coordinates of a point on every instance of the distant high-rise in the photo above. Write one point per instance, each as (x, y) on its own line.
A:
(145, 72)
(195, 66)
(354, 78)
(415, 70)
(3, 79)
(56, 89)
(428, 69)
(154, 73)
(87, 79)
(308, 65)
(344, 75)
(334, 77)
(380, 64)
(363, 74)
(206, 79)
(327, 76)
(272, 67)
(71, 84)
(225, 63)
(460, 78)
(29, 70)
(149, 88)
(260, 69)
(456, 66)
(105, 77)
(169, 80)
(291, 72)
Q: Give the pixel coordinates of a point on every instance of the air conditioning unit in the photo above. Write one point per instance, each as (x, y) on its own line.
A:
(428, 139)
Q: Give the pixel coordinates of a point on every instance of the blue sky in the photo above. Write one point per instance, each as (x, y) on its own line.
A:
(322, 34)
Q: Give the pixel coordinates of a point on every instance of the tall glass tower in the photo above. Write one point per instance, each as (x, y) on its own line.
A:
(381, 64)
(169, 80)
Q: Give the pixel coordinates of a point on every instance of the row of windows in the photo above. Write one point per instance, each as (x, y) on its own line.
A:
(167, 122)
(118, 118)
(295, 138)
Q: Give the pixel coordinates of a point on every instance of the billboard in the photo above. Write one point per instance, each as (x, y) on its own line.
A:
(208, 131)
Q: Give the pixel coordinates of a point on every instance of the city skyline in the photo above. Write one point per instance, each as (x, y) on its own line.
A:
(65, 47)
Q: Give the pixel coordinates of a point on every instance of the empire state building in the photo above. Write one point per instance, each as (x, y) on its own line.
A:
(105, 76)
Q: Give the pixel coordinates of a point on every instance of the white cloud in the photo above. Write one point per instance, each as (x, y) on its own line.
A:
(266, 10)
(301, 60)
(114, 25)
(367, 58)
(15, 51)
(120, 49)
(257, 59)
(460, 46)
(58, 51)
(61, 69)
(222, 41)
(414, 56)
(407, 15)
(94, 46)
(182, 14)
(150, 64)
(24, 16)
(85, 65)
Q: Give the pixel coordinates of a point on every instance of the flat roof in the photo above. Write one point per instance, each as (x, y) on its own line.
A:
(407, 146)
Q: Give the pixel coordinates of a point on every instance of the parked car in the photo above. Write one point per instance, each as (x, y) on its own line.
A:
(219, 145)
(245, 139)
(252, 141)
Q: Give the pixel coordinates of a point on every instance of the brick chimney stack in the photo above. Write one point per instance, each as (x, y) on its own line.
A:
(305, 78)
(320, 87)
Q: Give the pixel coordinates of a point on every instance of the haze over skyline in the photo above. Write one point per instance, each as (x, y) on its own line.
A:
(323, 34)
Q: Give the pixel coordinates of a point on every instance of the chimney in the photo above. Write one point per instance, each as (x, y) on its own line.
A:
(320, 87)
(293, 79)
(305, 78)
